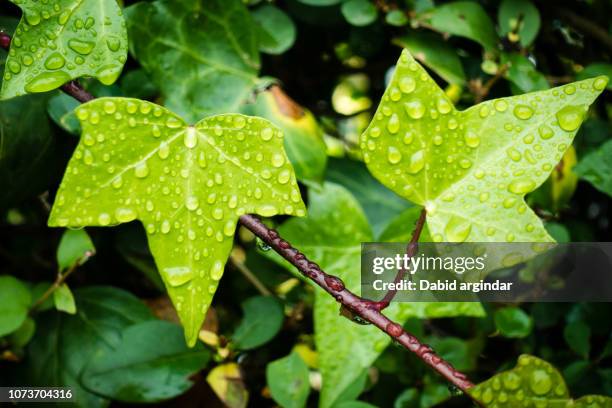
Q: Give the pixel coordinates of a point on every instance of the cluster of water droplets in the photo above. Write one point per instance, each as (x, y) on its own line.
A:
(425, 150)
(531, 380)
(59, 41)
(187, 184)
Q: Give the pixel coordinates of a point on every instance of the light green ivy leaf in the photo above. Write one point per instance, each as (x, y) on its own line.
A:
(471, 169)
(187, 185)
(533, 382)
(57, 41)
(202, 54)
(331, 235)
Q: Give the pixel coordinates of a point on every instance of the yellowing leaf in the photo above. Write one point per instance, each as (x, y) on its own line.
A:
(57, 41)
(187, 184)
(226, 381)
(471, 169)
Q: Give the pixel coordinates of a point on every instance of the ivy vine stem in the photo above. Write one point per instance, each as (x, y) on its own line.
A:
(331, 284)
(411, 250)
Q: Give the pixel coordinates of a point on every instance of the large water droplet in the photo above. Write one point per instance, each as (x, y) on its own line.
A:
(500, 105)
(267, 133)
(407, 85)
(216, 271)
(540, 383)
(523, 112)
(164, 150)
(570, 118)
(415, 109)
(457, 229)
(141, 170)
(394, 155)
(55, 61)
(514, 154)
(47, 81)
(267, 210)
(192, 203)
(113, 43)
(33, 18)
(104, 219)
(191, 137)
(417, 162)
(125, 214)
(178, 275)
(471, 138)
(443, 106)
(521, 186)
(394, 124)
(600, 83)
(81, 47)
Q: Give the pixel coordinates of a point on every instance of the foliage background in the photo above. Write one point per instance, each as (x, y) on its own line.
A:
(333, 57)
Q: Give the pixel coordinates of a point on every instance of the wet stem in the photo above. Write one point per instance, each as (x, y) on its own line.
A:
(333, 285)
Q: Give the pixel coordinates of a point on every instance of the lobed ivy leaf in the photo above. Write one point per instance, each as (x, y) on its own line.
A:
(57, 41)
(331, 235)
(187, 185)
(202, 54)
(471, 169)
(533, 382)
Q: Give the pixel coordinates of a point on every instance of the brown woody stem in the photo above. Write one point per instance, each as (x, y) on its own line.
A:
(411, 250)
(331, 284)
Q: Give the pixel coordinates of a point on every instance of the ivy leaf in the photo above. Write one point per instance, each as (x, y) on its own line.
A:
(64, 299)
(471, 169)
(523, 74)
(277, 31)
(331, 235)
(288, 381)
(75, 247)
(513, 322)
(15, 299)
(203, 54)
(596, 168)
(56, 42)
(532, 382)
(140, 370)
(466, 19)
(65, 343)
(303, 135)
(519, 20)
(187, 184)
(379, 203)
(263, 319)
(435, 53)
(359, 12)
